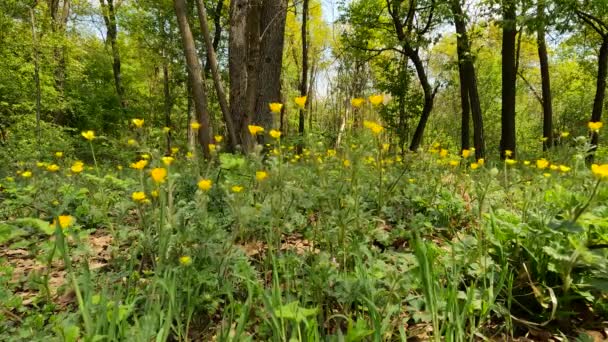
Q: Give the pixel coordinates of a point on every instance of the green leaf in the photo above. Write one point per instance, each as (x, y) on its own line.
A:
(294, 312)
(39, 224)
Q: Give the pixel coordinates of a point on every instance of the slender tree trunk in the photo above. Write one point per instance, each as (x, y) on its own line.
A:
(465, 135)
(36, 75)
(274, 13)
(468, 76)
(237, 63)
(304, 80)
(429, 96)
(195, 75)
(507, 141)
(217, 81)
(168, 103)
(217, 31)
(59, 16)
(253, 60)
(545, 79)
(600, 92)
(109, 16)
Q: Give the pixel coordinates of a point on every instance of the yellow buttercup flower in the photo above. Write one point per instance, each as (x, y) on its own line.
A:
(195, 125)
(443, 153)
(542, 163)
(65, 221)
(145, 156)
(77, 167)
(346, 163)
(185, 260)
(205, 184)
(212, 147)
(275, 107)
(255, 130)
(454, 163)
(301, 101)
(166, 129)
(508, 153)
(26, 174)
(41, 164)
(236, 188)
(218, 138)
(174, 150)
(261, 175)
(331, 153)
(58, 154)
(154, 193)
(89, 135)
(376, 99)
(595, 126)
(138, 196)
(510, 161)
(138, 122)
(465, 153)
(374, 127)
(140, 165)
(554, 167)
(526, 162)
(357, 102)
(158, 174)
(481, 161)
(474, 166)
(131, 142)
(275, 134)
(167, 160)
(564, 134)
(189, 155)
(564, 168)
(52, 168)
(600, 171)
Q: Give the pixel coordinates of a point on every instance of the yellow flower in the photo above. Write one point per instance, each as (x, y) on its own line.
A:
(443, 153)
(376, 99)
(374, 127)
(474, 166)
(301, 101)
(139, 165)
(526, 162)
(174, 150)
(254, 130)
(600, 171)
(595, 126)
(212, 147)
(508, 153)
(510, 161)
(139, 196)
(89, 135)
(454, 163)
(357, 102)
(77, 167)
(195, 125)
(331, 153)
(564, 168)
(346, 163)
(275, 107)
(189, 155)
(145, 156)
(131, 142)
(167, 160)
(564, 134)
(185, 260)
(166, 129)
(236, 188)
(542, 163)
(554, 167)
(261, 175)
(411, 180)
(119, 167)
(218, 138)
(205, 184)
(154, 193)
(26, 174)
(58, 154)
(138, 122)
(41, 164)
(466, 153)
(158, 174)
(385, 147)
(65, 221)
(275, 134)
(481, 161)
(52, 168)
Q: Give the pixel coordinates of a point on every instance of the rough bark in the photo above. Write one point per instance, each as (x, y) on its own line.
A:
(217, 30)
(274, 13)
(600, 92)
(108, 12)
(429, 96)
(253, 59)
(465, 132)
(304, 79)
(217, 81)
(195, 76)
(545, 78)
(509, 75)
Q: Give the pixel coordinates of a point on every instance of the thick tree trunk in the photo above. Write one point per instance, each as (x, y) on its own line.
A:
(429, 96)
(274, 13)
(217, 81)
(253, 60)
(600, 92)
(237, 63)
(304, 80)
(108, 12)
(195, 76)
(468, 76)
(465, 132)
(507, 141)
(545, 79)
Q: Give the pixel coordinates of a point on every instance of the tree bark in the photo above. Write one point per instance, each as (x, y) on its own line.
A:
(468, 76)
(217, 81)
(545, 79)
(509, 74)
(274, 13)
(217, 30)
(36, 75)
(600, 92)
(108, 12)
(168, 103)
(465, 135)
(237, 63)
(304, 80)
(195, 76)
(429, 96)
(253, 60)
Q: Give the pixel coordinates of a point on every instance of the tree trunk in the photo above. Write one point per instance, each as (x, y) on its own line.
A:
(509, 31)
(465, 135)
(108, 12)
(59, 17)
(600, 92)
(304, 80)
(195, 76)
(545, 79)
(217, 30)
(217, 81)
(274, 13)
(429, 96)
(168, 103)
(237, 63)
(36, 76)
(468, 76)
(253, 59)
